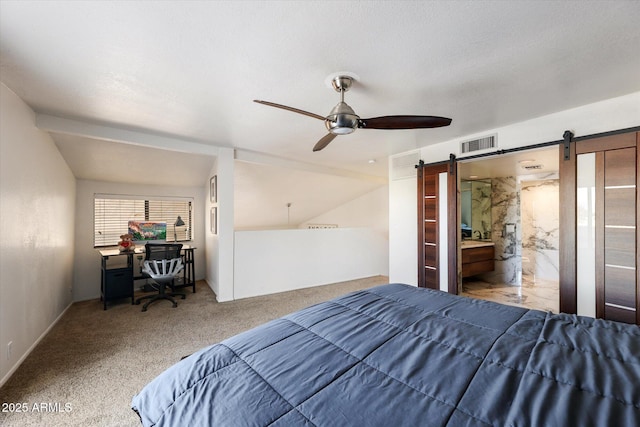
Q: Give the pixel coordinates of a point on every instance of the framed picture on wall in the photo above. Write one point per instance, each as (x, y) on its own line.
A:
(214, 220)
(213, 189)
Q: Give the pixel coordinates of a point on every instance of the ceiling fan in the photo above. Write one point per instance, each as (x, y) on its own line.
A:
(343, 120)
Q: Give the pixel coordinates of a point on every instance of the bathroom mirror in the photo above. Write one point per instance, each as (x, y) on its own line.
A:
(475, 208)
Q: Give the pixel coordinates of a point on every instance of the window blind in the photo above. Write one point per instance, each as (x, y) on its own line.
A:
(112, 216)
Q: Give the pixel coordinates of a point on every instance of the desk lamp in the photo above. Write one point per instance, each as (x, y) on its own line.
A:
(178, 223)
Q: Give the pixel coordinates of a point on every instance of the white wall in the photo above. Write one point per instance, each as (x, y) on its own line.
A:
(36, 227)
(403, 237)
(220, 253)
(277, 260)
(86, 283)
(613, 114)
(211, 240)
(273, 261)
(369, 210)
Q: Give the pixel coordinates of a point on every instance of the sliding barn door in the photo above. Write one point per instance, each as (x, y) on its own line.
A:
(607, 213)
(437, 230)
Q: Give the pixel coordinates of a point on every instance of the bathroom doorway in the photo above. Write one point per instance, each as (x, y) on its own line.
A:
(509, 211)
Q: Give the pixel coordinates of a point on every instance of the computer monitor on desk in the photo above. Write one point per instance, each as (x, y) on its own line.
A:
(148, 232)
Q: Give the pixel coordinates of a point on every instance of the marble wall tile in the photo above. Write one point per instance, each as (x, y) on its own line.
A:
(525, 229)
(506, 232)
(481, 221)
(540, 211)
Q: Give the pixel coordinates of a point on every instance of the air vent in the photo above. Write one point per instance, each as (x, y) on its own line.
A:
(404, 165)
(532, 167)
(480, 144)
(317, 226)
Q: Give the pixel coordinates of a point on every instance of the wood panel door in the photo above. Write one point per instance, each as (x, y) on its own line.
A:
(616, 235)
(433, 190)
(606, 223)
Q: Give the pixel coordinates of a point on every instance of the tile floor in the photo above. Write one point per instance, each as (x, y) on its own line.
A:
(537, 294)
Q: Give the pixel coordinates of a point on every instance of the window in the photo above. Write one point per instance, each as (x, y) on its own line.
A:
(112, 214)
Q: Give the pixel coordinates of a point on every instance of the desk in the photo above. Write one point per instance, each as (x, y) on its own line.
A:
(117, 282)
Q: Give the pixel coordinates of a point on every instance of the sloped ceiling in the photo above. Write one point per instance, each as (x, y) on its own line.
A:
(87, 158)
(264, 191)
(190, 70)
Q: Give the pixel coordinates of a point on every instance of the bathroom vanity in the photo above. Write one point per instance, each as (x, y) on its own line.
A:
(477, 257)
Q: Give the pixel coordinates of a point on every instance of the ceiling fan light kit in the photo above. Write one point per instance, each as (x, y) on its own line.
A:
(343, 120)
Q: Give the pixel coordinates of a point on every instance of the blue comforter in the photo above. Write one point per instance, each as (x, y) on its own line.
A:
(397, 355)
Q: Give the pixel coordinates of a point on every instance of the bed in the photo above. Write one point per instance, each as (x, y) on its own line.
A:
(397, 355)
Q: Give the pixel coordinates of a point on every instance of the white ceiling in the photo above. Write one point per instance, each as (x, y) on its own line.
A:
(190, 70)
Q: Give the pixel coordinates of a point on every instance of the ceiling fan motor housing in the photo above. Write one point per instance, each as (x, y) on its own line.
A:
(342, 119)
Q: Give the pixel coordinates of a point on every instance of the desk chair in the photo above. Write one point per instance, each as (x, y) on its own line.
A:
(162, 263)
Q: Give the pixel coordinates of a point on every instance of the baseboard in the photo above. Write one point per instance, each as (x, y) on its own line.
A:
(211, 287)
(15, 367)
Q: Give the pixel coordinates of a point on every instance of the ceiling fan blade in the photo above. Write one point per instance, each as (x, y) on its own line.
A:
(404, 122)
(324, 141)
(295, 110)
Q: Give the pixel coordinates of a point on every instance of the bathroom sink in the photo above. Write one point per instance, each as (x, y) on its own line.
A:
(475, 243)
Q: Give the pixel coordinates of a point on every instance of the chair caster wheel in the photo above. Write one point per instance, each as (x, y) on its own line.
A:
(175, 304)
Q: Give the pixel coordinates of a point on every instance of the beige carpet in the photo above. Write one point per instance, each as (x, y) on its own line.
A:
(87, 369)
